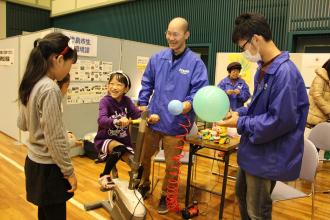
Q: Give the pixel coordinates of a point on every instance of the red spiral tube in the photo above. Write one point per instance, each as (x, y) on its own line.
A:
(172, 190)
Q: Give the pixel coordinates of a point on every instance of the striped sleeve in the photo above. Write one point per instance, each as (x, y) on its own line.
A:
(55, 134)
(21, 120)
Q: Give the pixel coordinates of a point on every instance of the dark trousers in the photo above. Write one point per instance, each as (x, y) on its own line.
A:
(52, 212)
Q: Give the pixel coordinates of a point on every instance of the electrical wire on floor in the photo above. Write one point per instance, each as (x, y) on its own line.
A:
(141, 198)
(172, 190)
(206, 211)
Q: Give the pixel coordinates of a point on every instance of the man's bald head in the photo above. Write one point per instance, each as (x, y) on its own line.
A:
(176, 35)
(180, 23)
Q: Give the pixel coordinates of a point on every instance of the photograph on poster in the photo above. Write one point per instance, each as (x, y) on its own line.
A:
(80, 93)
(89, 71)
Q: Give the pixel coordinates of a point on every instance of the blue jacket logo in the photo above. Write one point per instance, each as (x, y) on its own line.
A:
(183, 71)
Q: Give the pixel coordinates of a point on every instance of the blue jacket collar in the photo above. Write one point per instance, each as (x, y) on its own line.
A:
(167, 55)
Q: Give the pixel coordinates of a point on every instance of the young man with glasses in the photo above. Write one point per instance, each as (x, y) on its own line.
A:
(272, 126)
(175, 73)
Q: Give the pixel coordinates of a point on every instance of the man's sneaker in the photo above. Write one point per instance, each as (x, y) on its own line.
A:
(144, 191)
(106, 183)
(162, 207)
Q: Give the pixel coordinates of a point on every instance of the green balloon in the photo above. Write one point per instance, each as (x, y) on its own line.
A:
(211, 103)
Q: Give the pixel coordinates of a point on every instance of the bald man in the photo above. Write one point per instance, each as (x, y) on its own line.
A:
(175, 73)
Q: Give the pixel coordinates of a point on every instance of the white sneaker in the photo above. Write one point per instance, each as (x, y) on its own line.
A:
(106, 183)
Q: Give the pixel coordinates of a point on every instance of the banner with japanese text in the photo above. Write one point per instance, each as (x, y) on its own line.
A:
(85, 44)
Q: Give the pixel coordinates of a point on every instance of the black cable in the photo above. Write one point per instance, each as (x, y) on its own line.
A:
(138, 204)
(204, 213)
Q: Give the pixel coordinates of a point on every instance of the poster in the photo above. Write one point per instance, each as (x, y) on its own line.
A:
(81, 93)
(90, 71)
(141, 64)
(6, 57)
(247, 72)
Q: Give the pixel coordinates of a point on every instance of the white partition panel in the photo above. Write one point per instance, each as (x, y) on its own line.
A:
(131, 52)
(307, 63)
(9, 88)
(26, 45)
(129, 56)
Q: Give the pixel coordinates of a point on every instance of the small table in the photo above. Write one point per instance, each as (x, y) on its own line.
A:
(198, 144)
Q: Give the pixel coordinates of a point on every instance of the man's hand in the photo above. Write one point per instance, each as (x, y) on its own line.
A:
(73, 182)
(153, 119)
(230, 121)
(186, 107)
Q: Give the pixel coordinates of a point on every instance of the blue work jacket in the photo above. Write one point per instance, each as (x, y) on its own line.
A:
(236, 101)
(272, 126)
(165, 80)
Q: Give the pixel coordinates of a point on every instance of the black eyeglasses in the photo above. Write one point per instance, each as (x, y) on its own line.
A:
(243, 46)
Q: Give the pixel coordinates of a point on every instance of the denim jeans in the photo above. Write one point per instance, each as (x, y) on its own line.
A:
(254, 196)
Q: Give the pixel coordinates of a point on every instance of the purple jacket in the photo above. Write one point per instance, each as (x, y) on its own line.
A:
(110, 111)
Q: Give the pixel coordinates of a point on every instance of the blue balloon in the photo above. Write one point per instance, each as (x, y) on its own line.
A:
(175, 107)
(211, 103)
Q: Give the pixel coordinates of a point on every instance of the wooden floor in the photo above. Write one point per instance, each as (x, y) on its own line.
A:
(13, 204)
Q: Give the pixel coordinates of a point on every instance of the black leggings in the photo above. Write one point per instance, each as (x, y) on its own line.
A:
(52, 212)
(113, 158)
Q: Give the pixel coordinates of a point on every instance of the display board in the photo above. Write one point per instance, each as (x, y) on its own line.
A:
(81, 118)
(135, 56)
(98, 56)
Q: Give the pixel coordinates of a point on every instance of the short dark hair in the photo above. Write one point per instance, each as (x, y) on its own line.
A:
(326, 66)
(234, 66)
(248, 24)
